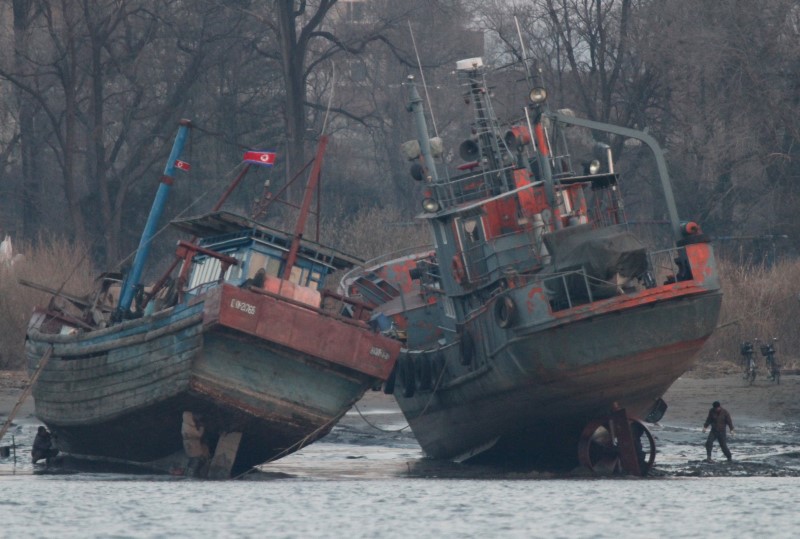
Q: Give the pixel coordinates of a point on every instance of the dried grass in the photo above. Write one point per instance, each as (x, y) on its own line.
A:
(759, 302)
(50, 262)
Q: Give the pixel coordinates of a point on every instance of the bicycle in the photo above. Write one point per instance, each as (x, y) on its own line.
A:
(773, 367)
(748, 363)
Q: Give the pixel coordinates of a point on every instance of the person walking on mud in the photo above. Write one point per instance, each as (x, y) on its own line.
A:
(718, 418)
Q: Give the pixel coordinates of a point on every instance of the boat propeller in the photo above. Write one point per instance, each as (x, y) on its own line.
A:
(617, 444)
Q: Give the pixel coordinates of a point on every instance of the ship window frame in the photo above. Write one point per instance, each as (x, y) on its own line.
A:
(443, 230)
(206, 269)
(472, 245)
(449, 307)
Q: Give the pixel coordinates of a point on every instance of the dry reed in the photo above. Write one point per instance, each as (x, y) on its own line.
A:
(759, 302)
(50, 262)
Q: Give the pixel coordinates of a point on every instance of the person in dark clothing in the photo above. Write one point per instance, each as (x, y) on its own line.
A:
(43, 446)
(257, 280)
(718, 418)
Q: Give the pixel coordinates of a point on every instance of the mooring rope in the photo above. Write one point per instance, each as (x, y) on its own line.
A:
(376, 427)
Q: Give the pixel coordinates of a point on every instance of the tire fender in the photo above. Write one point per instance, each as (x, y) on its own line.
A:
(407, 376)
(467, 347)
(505, 311)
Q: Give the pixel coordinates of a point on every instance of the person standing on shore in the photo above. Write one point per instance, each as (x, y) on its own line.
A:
(43, 446)
(194, 445)
(718, 418)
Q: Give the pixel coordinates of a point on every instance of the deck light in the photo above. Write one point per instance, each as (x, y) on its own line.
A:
(538, 95)
(430, 205)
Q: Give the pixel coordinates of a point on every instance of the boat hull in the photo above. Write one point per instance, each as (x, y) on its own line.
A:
(120, 392)
(528, 399)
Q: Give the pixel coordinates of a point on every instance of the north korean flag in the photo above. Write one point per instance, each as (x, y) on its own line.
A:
(183, 165)
(260, 158)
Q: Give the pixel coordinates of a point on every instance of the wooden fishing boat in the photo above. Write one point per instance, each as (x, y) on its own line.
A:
(245, 339)
(540, 328)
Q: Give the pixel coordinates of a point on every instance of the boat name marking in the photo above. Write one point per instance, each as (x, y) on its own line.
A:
(243, 306)
(379, 352)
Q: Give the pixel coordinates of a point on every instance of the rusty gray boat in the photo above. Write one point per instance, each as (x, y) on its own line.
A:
(540, 329)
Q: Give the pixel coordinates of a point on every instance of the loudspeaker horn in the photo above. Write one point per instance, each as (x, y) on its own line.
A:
(469, 150)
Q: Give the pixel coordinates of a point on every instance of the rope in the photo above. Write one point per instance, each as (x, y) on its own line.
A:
(376, 427)
(294, 447)
(433, 392)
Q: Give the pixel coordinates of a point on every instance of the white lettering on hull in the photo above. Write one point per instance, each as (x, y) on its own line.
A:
(379, 352)
(243, 306)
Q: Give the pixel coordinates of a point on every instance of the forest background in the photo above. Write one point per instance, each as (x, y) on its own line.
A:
(91, 92)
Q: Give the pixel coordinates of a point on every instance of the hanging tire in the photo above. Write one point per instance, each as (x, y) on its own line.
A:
(422, 366)
(467, 348)
(388, 386)
(505, 312)
(407, 377)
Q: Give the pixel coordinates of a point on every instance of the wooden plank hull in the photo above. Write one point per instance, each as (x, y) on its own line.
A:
(120, 392)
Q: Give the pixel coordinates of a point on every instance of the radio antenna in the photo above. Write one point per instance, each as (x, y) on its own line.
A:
(528, 75)
(422, 76)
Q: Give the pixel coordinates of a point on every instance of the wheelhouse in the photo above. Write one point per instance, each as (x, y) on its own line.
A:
(255, 246)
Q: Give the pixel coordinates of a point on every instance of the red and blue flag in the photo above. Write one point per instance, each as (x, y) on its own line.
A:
(260, 158)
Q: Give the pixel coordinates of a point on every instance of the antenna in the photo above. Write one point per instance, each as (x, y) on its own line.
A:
(330, 97)
(528, 75)
(422, 76)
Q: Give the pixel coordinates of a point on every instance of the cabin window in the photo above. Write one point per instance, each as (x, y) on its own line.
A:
(306, 277)
(273, 266)
(471, 235)
(260, 260)
(235, 272)
(449, 308)
(298, 275)
(471, 230)
(206, 270)
(315, 279)
(443, 233)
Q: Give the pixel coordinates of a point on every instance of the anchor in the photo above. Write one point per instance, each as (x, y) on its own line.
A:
(617, 444)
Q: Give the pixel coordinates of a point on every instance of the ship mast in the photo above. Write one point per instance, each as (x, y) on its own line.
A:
(135, 274)
(308, 195)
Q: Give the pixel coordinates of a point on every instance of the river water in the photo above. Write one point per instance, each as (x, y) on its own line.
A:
(119, 506)
(363, 483)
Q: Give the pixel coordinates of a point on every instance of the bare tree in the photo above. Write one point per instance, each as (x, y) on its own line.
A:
(107, 78)
(733, 111)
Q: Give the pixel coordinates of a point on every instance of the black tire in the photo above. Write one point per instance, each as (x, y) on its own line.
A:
(388, 387)
(422, 369)
(467, 348)
(505, 312)
(407, 376)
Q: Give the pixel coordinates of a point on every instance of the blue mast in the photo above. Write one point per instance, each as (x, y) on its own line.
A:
(132, 279)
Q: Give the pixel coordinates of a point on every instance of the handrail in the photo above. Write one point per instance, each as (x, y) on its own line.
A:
(360, 269)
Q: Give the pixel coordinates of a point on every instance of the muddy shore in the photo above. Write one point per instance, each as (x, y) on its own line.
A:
(766, 416)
